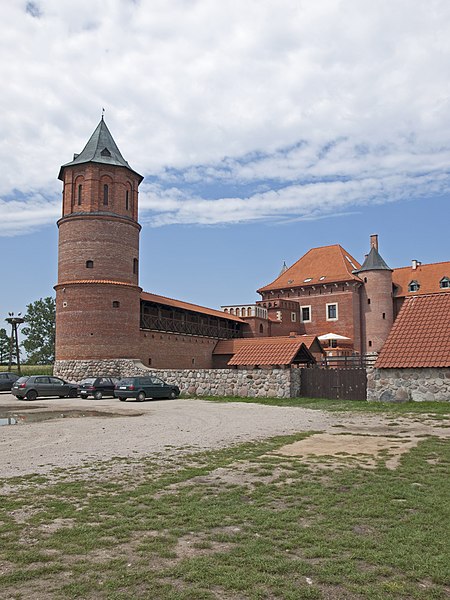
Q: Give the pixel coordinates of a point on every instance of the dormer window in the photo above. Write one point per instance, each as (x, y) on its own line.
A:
(413, 286)
(444, 283)
(105, 152)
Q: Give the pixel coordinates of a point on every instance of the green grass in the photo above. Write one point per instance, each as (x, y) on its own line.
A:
(438, 408)
(30, 369)
(237, 523)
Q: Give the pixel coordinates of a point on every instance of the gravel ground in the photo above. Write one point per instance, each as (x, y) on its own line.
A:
(164, 426)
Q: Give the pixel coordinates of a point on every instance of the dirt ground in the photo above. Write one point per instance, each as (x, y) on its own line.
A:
(168, 427)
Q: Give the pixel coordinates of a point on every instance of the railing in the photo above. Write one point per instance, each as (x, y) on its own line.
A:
(356, 361)
(187, 327)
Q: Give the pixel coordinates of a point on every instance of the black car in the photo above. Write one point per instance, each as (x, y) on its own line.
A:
(97, 387)
(6, 381)
(144, 387)
(43, 385)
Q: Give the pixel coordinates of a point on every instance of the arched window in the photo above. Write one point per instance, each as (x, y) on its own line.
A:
(238, 312)
(89, 264)
(413, 286)
(105, 194)
(261, 329)
(127, 200)
(80, 193)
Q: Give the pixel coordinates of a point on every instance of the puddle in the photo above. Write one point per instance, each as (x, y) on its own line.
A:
(22, 417)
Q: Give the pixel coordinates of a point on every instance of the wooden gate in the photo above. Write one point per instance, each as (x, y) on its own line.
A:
(336, 384)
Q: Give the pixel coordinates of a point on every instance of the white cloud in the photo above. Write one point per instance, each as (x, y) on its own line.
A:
(243, 92)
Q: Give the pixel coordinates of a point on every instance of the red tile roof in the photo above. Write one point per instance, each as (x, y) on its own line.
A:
(428, 276)
(187, 306)
(278, 352)
(420, 336)
(327, 264)
(90, 281)
(232, 346)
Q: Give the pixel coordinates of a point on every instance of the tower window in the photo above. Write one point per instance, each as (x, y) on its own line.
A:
(384, 315)
(127, 200)
(80, 192)
(413, 286)
(370, 344)
(116, 304)
(105, 195)
(135, 265)
(261, 329)
(89, 264)
(365, 279)
(368, 300)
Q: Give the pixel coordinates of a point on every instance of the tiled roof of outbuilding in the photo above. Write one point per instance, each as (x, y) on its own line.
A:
(427, 276)
(327, 264)
(420, 336)
(232, 346)
(276, 352)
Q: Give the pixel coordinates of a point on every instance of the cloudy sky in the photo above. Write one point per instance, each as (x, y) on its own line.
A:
(262, 127)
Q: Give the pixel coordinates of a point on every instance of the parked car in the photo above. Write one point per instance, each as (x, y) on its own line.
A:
(144, 387)
(6, 380)
(43, 385)
(97, 387)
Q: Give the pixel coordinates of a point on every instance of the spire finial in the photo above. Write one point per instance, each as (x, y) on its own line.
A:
(103, 113)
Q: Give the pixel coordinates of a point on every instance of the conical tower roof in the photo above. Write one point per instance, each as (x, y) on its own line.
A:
(101, 148)
(373, 262)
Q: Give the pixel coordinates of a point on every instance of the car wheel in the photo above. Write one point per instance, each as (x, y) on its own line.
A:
(141, 397)
(98, 395)
(31, 395)
(73, 393)
(122, 399)
(172, 395)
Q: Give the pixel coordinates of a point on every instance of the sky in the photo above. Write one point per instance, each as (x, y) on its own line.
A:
(263, 128)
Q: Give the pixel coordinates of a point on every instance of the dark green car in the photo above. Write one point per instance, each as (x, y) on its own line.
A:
(141, 388)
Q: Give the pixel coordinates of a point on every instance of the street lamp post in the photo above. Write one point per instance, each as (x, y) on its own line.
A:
(14, 340)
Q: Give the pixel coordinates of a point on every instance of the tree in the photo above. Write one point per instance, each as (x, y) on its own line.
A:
(40, 332)
(4, 346)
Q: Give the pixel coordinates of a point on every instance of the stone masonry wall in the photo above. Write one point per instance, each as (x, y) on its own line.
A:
(403, 385)
(253, 383)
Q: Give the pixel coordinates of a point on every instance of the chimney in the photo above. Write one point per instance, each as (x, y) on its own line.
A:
(415, 264)
(374, 241)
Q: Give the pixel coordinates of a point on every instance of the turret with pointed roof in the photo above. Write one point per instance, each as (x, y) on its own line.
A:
(98, 293)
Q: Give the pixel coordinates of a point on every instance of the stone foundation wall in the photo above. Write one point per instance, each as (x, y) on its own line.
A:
(253, 383)
(403, 385)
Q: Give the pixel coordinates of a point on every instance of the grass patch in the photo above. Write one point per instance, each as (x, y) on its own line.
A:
(421, 408)
(208, 527)
(30, 369)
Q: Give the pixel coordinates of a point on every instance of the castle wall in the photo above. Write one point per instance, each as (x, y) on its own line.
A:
(403, 385)
(175, 351)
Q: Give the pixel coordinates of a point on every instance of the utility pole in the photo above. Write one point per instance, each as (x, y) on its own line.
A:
(14, 339)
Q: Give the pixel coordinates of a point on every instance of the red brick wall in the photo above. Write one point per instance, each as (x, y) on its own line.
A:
(92, 177)
(175, 351)
(112, 243)
(87, 325)
(347, 324)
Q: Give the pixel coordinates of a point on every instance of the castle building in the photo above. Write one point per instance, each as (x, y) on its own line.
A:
(325, 302)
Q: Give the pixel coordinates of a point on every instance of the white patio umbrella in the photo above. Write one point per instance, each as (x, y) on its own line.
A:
(332, 336)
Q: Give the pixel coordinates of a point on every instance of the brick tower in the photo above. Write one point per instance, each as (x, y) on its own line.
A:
(377, 306)
(98, 293)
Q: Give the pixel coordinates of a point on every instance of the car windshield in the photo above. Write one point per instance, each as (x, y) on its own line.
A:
(88, 380)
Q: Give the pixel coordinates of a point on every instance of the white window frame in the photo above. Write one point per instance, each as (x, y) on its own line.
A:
(336, 318)
(310, 314)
